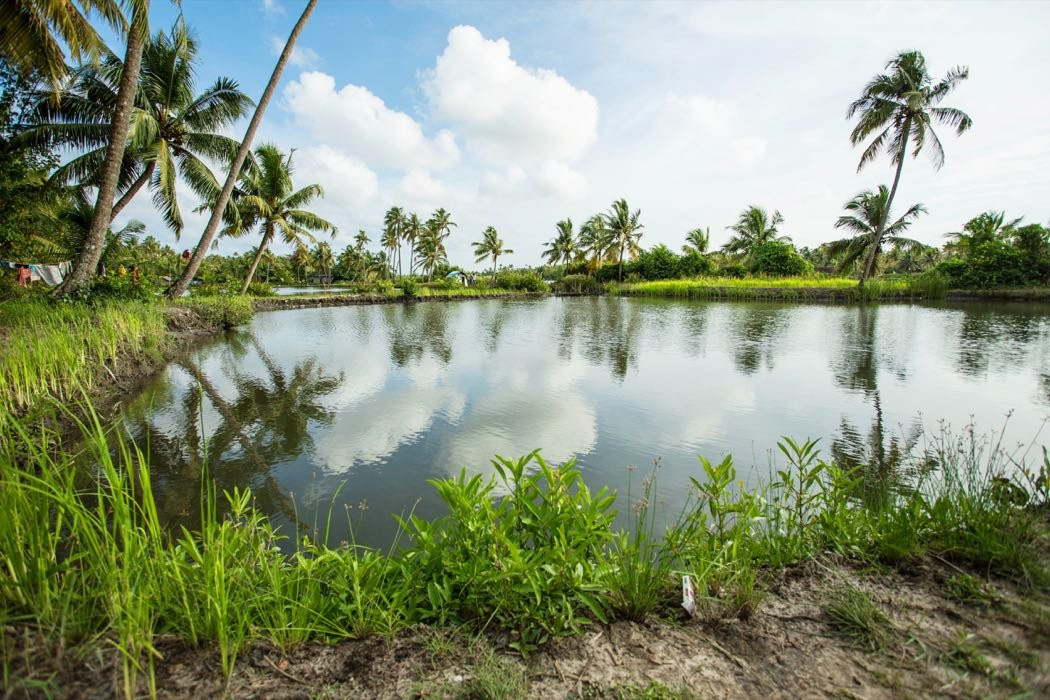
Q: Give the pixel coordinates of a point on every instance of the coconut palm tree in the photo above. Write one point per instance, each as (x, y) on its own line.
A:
(218, 211)
(868, 210)
(753, 228)
(983, 228)
(266, 200)
(172, 127)
(413, 227)
(361, 240)
(899, 107)
(431, 250)
(625, 230)
(490, 246)
(441, 223)
(696, 241)
(390, 240)
(86, 261)
(322, 255)
(561, 248)
(595, 241)
(393, 232)
(301, 262)
(33, 33)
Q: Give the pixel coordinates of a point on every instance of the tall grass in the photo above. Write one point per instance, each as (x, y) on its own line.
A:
(532, 551)
(52, 351)
(787, 289)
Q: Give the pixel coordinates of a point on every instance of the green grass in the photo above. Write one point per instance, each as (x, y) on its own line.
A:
(530, 553)
(787, 289)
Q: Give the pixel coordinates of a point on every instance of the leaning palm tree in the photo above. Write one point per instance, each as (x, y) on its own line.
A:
(490, 246)
(410, 233)
(394, 232)
(120, 122)
(696, 241)
(266, 200)
(899, 107)
(753, 228)
(867, 211)
(561, 248)
(625, 230)
(218, 211)
(172, 127)
(595, 241)
(33, 32)
(431, 251)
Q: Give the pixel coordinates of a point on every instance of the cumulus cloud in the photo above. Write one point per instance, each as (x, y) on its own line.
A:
(418, 187)
(505, 110)
(358, 122)
(747, 150)
(302, 56)
(347, 181)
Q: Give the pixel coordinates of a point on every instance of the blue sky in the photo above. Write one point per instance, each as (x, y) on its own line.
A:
(517, 115)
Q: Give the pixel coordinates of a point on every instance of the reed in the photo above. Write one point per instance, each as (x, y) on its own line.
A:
(786, 289)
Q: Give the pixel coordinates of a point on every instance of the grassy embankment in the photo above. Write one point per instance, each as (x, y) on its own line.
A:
(787, 289)
(57, 352)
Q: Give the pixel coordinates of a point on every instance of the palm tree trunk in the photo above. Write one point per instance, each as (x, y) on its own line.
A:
(258, 256)
(869, 266)
(87, 260)
(133, 190)
(621, 264)
(180, 286)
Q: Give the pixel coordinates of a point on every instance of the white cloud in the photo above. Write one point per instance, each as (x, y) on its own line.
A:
(508, 111)
(302, 56)
(358, 122)
(701, 112)
(272, 8)
(747, 150)
(347, 181)
(420, 187)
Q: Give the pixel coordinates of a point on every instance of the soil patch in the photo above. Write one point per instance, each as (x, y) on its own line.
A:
(934, 646)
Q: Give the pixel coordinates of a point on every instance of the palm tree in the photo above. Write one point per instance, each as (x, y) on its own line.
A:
(753, 228)
(696, 241)
(266, 199)
(393, 231)
(625, 230)
(301, 262)
(218, 211)
(561, 248)
(490, 245)
(441, 223)
(595, 241)
(868, 210)
(413, 227)
(390, 240)
(322, 256)
(989, 226)
(86, 261)
(33, 32)
(361, 240)
(171, 127)
(431, 250)
(900, 107)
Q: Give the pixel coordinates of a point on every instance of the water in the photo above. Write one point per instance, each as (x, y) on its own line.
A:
(359, 406)
(296, 291)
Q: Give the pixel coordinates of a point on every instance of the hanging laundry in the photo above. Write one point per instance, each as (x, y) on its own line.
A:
(36, 272)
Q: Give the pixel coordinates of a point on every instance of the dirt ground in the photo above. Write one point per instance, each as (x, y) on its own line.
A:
(935, 641)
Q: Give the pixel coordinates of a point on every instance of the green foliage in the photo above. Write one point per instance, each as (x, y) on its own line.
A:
(778, 259)
(856, 617)
(525, 561)
(657, 263)
(694, 264)
(521, 281)
(409, 288)
(226, 311)
(578, 284)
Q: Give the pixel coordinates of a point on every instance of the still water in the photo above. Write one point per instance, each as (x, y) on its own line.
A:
(359, 406)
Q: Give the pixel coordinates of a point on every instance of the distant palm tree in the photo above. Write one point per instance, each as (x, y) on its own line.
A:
(983, 228)
(172, 128)
(301, 262)
(266, 199)
(441, 222)
(697, 240)
(490, 246)
(753, 228)
(394, 231)
(413, 227)
(898, 107)
(562, 248)
(624, 230)
(390, 240)
(33, 33)
(868, 210)
(322, 255)
(431, 251)
(361, 240)
(595, 240)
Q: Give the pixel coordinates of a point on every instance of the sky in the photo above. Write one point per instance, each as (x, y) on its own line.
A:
(518, 115)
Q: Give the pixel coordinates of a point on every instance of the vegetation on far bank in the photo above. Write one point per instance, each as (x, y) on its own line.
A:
(531, 553)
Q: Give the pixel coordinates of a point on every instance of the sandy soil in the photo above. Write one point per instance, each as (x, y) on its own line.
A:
(935, 646)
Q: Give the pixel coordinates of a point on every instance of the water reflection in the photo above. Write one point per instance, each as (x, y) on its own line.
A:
(369, 402)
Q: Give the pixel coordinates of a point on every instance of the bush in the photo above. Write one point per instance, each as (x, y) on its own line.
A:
(226, 311)
(523, 281)
(255, 289)
(578, 284)
(409, 288)
(779, 259)
(694, 265)
(990, 264)
(733, 270)
(658, 263)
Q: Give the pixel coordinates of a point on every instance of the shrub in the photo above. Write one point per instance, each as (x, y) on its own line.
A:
(990, 264)
(694, 265)
(578, 284)
(226, 311)
(523, 281)
(409, 288)
(779, 260)
(733, 270)
(657, 263)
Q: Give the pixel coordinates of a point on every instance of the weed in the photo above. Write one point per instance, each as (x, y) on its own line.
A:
(969, 590)
(856, 617)
(964, 655)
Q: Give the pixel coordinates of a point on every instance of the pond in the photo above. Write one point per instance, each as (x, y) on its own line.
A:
(296, 291)
(352, 409)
